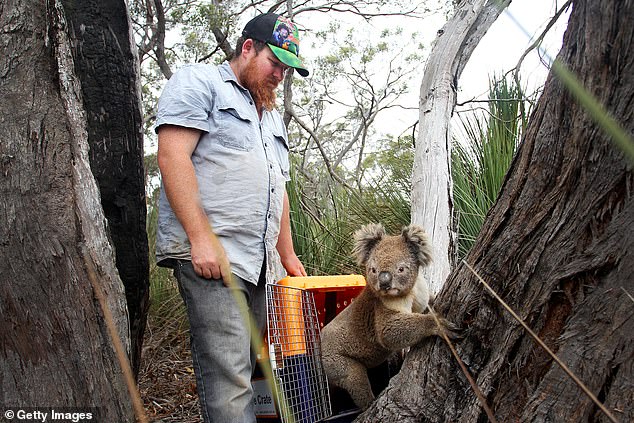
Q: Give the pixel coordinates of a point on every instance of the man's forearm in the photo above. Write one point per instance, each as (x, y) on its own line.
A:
(285, 239)
(176, 146)
(179, 178)
(285, 247)
(181, 189)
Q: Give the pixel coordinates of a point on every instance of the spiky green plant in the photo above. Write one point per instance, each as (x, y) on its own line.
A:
(324, 218)
(321, 233)
(482, 158)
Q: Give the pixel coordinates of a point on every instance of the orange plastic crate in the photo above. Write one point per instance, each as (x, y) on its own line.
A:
(332, 293)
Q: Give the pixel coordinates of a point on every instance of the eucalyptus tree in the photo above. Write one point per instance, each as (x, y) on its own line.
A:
(432, 203)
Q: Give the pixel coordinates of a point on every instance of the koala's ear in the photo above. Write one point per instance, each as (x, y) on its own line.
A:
(418, 243)
(365, 239)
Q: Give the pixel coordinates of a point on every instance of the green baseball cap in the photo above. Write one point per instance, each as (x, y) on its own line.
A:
(282, 37)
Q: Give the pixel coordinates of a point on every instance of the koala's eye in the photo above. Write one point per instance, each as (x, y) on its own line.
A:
(373, 269)
(401, 269)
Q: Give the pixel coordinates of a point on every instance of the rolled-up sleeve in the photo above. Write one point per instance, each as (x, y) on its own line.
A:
(186, 99)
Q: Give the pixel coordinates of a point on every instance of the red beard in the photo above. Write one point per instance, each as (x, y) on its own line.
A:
(262, 89)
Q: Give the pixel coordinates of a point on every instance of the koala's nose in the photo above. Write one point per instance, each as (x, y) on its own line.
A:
(385, 280)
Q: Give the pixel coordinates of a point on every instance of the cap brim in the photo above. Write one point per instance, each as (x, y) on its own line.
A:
(289, 59)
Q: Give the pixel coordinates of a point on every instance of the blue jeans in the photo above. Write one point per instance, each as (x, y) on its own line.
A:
(221, 343)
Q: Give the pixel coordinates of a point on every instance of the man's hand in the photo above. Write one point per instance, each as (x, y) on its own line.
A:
(209, 259)
(293, 266)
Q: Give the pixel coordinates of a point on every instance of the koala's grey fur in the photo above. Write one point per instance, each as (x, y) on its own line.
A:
(385, 317)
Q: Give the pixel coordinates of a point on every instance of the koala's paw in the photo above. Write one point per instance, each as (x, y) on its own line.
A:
(452, 330)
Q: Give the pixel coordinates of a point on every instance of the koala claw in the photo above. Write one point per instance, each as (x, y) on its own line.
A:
(452, 330)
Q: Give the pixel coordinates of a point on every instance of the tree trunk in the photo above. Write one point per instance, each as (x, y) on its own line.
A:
(54, 347)
(432, 202)
(558, 247)
(107, 67)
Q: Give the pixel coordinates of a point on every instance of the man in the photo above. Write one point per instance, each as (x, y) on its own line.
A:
(223, 212)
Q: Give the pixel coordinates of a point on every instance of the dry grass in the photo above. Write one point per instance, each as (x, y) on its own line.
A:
(166, 379)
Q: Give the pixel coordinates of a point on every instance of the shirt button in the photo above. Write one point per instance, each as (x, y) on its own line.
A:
(272, 189)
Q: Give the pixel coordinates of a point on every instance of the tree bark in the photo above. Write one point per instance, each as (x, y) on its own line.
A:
(107, 66)
(54, 347)
(558, 247)
(432, 201)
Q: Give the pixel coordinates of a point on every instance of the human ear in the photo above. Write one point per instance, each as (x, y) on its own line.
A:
(247, 47)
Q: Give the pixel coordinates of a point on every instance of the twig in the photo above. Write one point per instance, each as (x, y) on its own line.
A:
(122, 357)
(628, 294)
(536, 44)
(315, 137)
(541, 37)
(541, 343)
(472, 382)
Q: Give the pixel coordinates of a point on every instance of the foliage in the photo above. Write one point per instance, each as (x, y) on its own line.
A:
(172, 32)
(481, 160)
(346, 101)
(321, 240)
(323, 224)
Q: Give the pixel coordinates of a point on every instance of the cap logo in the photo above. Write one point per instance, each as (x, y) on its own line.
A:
(285, 35)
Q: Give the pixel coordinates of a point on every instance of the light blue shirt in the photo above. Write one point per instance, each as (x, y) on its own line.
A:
(241, 163)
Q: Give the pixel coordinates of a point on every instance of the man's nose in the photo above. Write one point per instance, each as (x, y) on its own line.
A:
(279, 73)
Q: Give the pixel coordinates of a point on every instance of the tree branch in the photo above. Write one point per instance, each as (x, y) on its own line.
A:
(160, 40)
(432, 199)
(315, 138)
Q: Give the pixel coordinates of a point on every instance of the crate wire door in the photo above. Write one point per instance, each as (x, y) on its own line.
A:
(295, 354)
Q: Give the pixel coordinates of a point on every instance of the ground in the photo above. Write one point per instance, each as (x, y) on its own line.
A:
(166, 379)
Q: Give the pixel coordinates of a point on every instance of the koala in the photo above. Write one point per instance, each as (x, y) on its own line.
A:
(386, 316)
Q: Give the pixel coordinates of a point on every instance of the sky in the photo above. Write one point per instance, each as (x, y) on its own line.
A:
(497, 52)
(504, 43)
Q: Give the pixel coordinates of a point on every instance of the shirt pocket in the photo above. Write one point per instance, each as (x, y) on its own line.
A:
(235, 128)
(281, 152)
